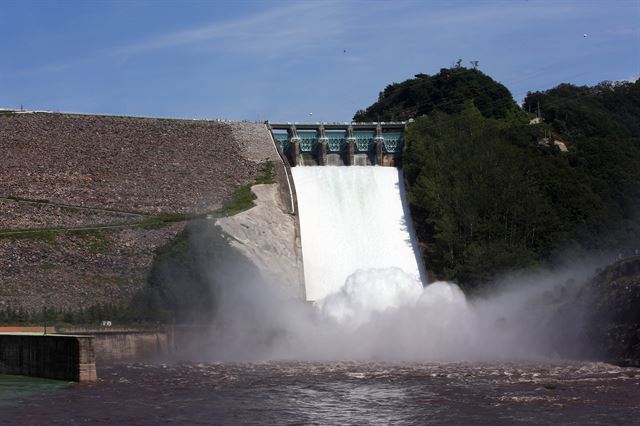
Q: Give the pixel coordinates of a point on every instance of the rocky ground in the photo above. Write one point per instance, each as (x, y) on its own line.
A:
(124, 163)
(84, 172)
(69, 271)
(251, 138)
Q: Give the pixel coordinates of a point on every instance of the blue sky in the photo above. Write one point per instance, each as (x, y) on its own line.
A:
(282, 60)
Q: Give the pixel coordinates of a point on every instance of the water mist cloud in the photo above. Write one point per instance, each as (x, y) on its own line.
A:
(384, 315)
(363, 274)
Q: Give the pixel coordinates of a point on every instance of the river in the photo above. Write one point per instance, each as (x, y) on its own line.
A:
(340, 393)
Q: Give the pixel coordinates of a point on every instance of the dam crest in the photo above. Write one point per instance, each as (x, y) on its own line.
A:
(340, 144)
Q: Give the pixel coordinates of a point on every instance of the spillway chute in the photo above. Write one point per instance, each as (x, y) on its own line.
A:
(353, 219)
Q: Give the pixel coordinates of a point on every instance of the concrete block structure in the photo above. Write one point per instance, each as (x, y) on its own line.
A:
(51, 356)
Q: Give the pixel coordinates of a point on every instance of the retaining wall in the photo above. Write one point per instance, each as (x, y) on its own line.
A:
(51, 356)
(125, 344)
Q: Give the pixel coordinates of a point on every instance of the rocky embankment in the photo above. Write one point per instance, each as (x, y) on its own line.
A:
(85, 188)
(612, 299)
(123, 163)
(69, 271)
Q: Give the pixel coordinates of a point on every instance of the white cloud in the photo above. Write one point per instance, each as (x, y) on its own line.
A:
(299, 25)
(272, 33)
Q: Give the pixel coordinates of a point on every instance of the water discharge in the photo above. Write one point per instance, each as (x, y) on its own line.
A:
(354, 219)
(363, 274)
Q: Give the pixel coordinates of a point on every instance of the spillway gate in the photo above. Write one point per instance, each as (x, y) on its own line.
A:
(340, 143)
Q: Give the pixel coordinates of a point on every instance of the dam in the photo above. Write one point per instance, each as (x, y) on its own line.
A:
(353, 220)
(338, 144)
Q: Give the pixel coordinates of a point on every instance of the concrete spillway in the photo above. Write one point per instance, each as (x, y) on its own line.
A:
(352, 218)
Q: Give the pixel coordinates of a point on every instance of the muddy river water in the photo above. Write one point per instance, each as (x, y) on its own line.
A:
(333, 393)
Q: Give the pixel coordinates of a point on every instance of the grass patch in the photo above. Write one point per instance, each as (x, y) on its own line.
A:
(46, 235)
(242, 198)
(98, 243)
(162, 220)
(266, 175)
(31, 200)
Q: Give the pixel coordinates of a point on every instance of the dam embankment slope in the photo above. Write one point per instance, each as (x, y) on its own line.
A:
(126, 163)
(86, 200)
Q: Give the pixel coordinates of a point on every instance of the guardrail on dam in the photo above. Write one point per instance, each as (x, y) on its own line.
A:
(340, 143)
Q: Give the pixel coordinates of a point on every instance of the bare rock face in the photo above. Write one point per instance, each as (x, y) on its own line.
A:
(268, 236)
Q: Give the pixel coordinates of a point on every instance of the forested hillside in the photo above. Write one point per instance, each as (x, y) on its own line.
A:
(602, 126)
(446, 91)
(486, 197)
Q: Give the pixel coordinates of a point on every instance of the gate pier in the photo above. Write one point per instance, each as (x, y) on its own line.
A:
(340, 143)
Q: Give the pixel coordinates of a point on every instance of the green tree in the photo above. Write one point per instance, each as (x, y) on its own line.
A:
(446, 91)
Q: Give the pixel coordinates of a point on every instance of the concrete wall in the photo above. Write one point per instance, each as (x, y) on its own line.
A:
(128, 346)
(50, 356)
(177, 342)
(269, 233)
(125, 344)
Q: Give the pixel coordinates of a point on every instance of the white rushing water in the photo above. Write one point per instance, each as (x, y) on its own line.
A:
(355, 232)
